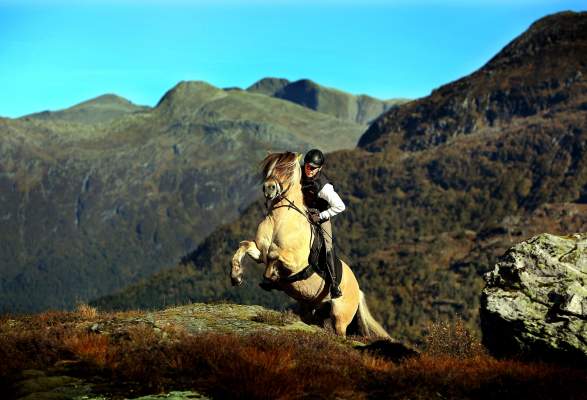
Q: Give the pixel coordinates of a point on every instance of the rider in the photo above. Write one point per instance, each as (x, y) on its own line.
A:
(324, 203)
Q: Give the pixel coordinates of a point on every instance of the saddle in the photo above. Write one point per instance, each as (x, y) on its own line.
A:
(316, 259)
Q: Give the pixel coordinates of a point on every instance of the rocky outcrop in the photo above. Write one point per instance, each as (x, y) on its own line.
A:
(67, 379)
(535, 300)
(209, 318)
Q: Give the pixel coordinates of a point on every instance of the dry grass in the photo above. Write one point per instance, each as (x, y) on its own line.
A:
(86, 312)
(452, 339)
(280, 365)
(89, 347)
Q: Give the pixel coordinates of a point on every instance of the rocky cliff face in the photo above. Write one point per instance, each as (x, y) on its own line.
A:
(535, 300)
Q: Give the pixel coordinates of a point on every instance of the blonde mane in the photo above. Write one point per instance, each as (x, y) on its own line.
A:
(283, 166)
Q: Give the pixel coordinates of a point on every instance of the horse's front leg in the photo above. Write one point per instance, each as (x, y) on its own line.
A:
(278, 256)
(236, 271)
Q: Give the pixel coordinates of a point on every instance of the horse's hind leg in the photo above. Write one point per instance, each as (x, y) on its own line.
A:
(344, 308)
(342, 315)
(314, 315)
(246, 247)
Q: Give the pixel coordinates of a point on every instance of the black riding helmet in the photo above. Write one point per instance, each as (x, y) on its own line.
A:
(314, 157)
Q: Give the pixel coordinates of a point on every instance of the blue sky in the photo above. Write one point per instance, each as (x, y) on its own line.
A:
(56, 54)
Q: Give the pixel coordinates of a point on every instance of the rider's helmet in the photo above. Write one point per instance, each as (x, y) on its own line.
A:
(315, 158)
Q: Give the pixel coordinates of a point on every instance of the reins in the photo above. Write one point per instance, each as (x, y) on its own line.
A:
(281, 196)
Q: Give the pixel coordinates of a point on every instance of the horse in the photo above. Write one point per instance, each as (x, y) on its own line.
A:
(283, 242)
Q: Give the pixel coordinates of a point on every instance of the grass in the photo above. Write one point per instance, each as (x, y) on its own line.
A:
(276, 318)
(292, 365)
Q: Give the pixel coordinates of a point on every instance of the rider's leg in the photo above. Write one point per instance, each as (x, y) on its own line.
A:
(335, 277)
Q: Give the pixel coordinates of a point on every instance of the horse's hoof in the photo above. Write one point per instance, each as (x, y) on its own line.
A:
(237, 281)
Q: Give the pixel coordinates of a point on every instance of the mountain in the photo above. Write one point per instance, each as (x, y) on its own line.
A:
(439, 188)
(88, 208)
(361, 109)
(268, 86)
(540, 74)
(104, 108)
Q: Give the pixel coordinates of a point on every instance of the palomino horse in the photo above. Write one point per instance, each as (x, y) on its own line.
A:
(283, 245)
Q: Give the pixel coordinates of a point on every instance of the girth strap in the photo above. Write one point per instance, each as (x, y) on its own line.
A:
(303, 274)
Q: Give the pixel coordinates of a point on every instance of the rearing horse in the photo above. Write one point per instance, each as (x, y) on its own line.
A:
(283, 244)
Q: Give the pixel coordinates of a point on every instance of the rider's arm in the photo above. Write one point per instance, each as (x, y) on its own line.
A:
(336, 204)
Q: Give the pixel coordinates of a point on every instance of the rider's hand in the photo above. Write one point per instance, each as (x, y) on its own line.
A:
(315, 217)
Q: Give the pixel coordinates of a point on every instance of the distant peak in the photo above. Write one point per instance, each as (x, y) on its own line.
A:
(269, 81)
(304, 83)
(108, 98)
(563, 29)
(194, 85)
(268, 86)
(189, 95)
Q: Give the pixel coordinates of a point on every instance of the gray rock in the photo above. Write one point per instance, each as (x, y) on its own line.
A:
(535, 300)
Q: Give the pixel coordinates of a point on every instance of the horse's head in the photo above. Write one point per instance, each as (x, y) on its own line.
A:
(272, 188)
(280, 171)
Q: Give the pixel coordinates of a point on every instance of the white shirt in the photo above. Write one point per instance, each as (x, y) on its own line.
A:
(336, 204)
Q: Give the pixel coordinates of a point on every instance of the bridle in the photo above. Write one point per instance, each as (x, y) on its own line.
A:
(281, 195)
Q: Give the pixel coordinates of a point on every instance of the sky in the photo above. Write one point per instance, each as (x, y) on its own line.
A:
(54, 54)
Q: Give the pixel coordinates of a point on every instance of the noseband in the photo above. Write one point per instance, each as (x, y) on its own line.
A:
(280, 195)
(269, 203)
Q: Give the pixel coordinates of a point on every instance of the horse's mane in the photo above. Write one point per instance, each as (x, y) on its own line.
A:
(283, 166)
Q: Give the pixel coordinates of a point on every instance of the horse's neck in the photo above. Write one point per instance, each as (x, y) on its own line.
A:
(293, 196)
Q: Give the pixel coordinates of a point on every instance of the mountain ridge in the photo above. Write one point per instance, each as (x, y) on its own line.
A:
(360, 109)
(502, 90)
(101, 109)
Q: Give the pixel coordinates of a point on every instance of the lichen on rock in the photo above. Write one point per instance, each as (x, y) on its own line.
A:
(535, 300)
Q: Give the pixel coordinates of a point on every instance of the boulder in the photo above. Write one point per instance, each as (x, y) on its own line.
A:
(534, 303)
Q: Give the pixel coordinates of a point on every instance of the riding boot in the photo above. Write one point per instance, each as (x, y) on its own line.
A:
(335, 276)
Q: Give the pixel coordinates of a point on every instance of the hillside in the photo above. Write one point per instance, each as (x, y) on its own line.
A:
(360, 109)
(438, 188)
(104, 108)
(229, 351)
(541, 73)
(88, 208)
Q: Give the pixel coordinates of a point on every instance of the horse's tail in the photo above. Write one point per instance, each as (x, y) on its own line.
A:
(368, 326)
